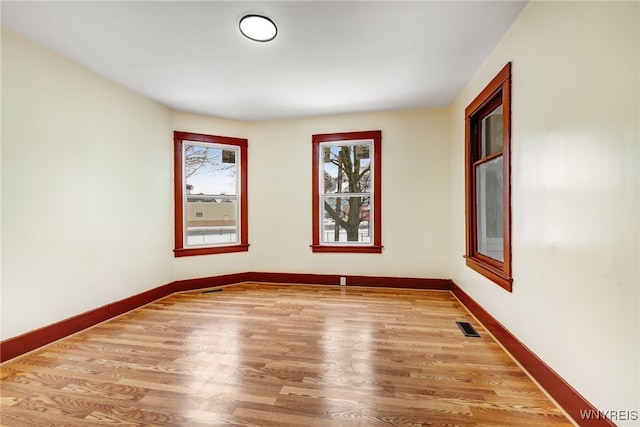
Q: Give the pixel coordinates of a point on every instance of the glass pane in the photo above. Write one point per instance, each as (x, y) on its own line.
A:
(346, 168)
(211, 183)
(490, 222)
(212, 221)
(339, 226)
(491, 136)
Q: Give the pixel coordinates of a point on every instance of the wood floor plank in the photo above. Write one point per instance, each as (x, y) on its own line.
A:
(277, 355)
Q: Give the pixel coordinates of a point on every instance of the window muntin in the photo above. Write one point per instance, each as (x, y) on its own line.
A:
(210, 194)
(346, 179)
(488, 191)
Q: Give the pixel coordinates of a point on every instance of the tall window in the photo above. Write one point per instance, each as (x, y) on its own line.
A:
(346, 192)
(210, 194)
(488, 181)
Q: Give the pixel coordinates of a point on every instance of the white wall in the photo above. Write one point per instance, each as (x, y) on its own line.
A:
(86, 189)
(415, 194)
(575, 189)
(415, 197)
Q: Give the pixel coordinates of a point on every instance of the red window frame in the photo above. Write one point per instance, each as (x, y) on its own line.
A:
(243, 245)
(497, 92)
(376, 245)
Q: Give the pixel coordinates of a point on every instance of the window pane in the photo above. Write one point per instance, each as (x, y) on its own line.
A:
(340, 226)
(211, 221)
(489, 214)
(346, 168)
(491, 136)
(211, 211)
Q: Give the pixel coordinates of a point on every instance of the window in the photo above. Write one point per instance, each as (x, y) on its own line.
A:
(488, 181)
(210, 194)
(346, 192)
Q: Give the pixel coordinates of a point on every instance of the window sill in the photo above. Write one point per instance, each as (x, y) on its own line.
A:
(490, 272)
(210, 250)
(347, 249)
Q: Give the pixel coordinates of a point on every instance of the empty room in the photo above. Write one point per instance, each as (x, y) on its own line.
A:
(320, 213)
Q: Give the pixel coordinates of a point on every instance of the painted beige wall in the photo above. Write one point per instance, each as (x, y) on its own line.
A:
(575, 206)
(415, 194)
(86, 189)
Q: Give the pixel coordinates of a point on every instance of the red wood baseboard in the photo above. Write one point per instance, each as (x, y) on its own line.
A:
(400, 282)
(32, 340)
(209, 282)
(565, 395)
(302, 278)
(371, 281)
(29, 341)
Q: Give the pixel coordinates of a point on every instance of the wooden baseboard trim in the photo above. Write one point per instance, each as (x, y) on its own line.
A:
(566, 396)
(290, 278)
(369, 281)
(400, 282)
(22, 344)
(209, 282)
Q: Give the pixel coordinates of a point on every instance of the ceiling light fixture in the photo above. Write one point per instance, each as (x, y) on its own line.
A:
(258, 28)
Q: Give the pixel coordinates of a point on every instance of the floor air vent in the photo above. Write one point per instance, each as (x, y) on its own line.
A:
(467, 329)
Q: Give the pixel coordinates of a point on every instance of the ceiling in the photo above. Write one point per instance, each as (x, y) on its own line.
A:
(329, 57)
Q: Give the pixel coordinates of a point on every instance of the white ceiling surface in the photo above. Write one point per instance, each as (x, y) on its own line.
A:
(329, 57)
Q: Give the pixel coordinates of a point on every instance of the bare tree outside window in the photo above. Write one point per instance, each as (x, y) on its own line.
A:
(198, 157)
(346, 192)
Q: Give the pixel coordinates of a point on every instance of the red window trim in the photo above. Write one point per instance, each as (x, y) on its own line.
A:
(496, 271)
(376, 247)
(243, 245)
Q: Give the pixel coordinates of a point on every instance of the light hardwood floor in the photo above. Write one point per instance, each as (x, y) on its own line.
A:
(278, 355)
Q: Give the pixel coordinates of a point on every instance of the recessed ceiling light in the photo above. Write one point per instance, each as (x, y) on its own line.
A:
(258, 28)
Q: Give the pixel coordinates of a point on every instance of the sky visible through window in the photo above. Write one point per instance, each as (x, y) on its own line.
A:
(211, 170)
